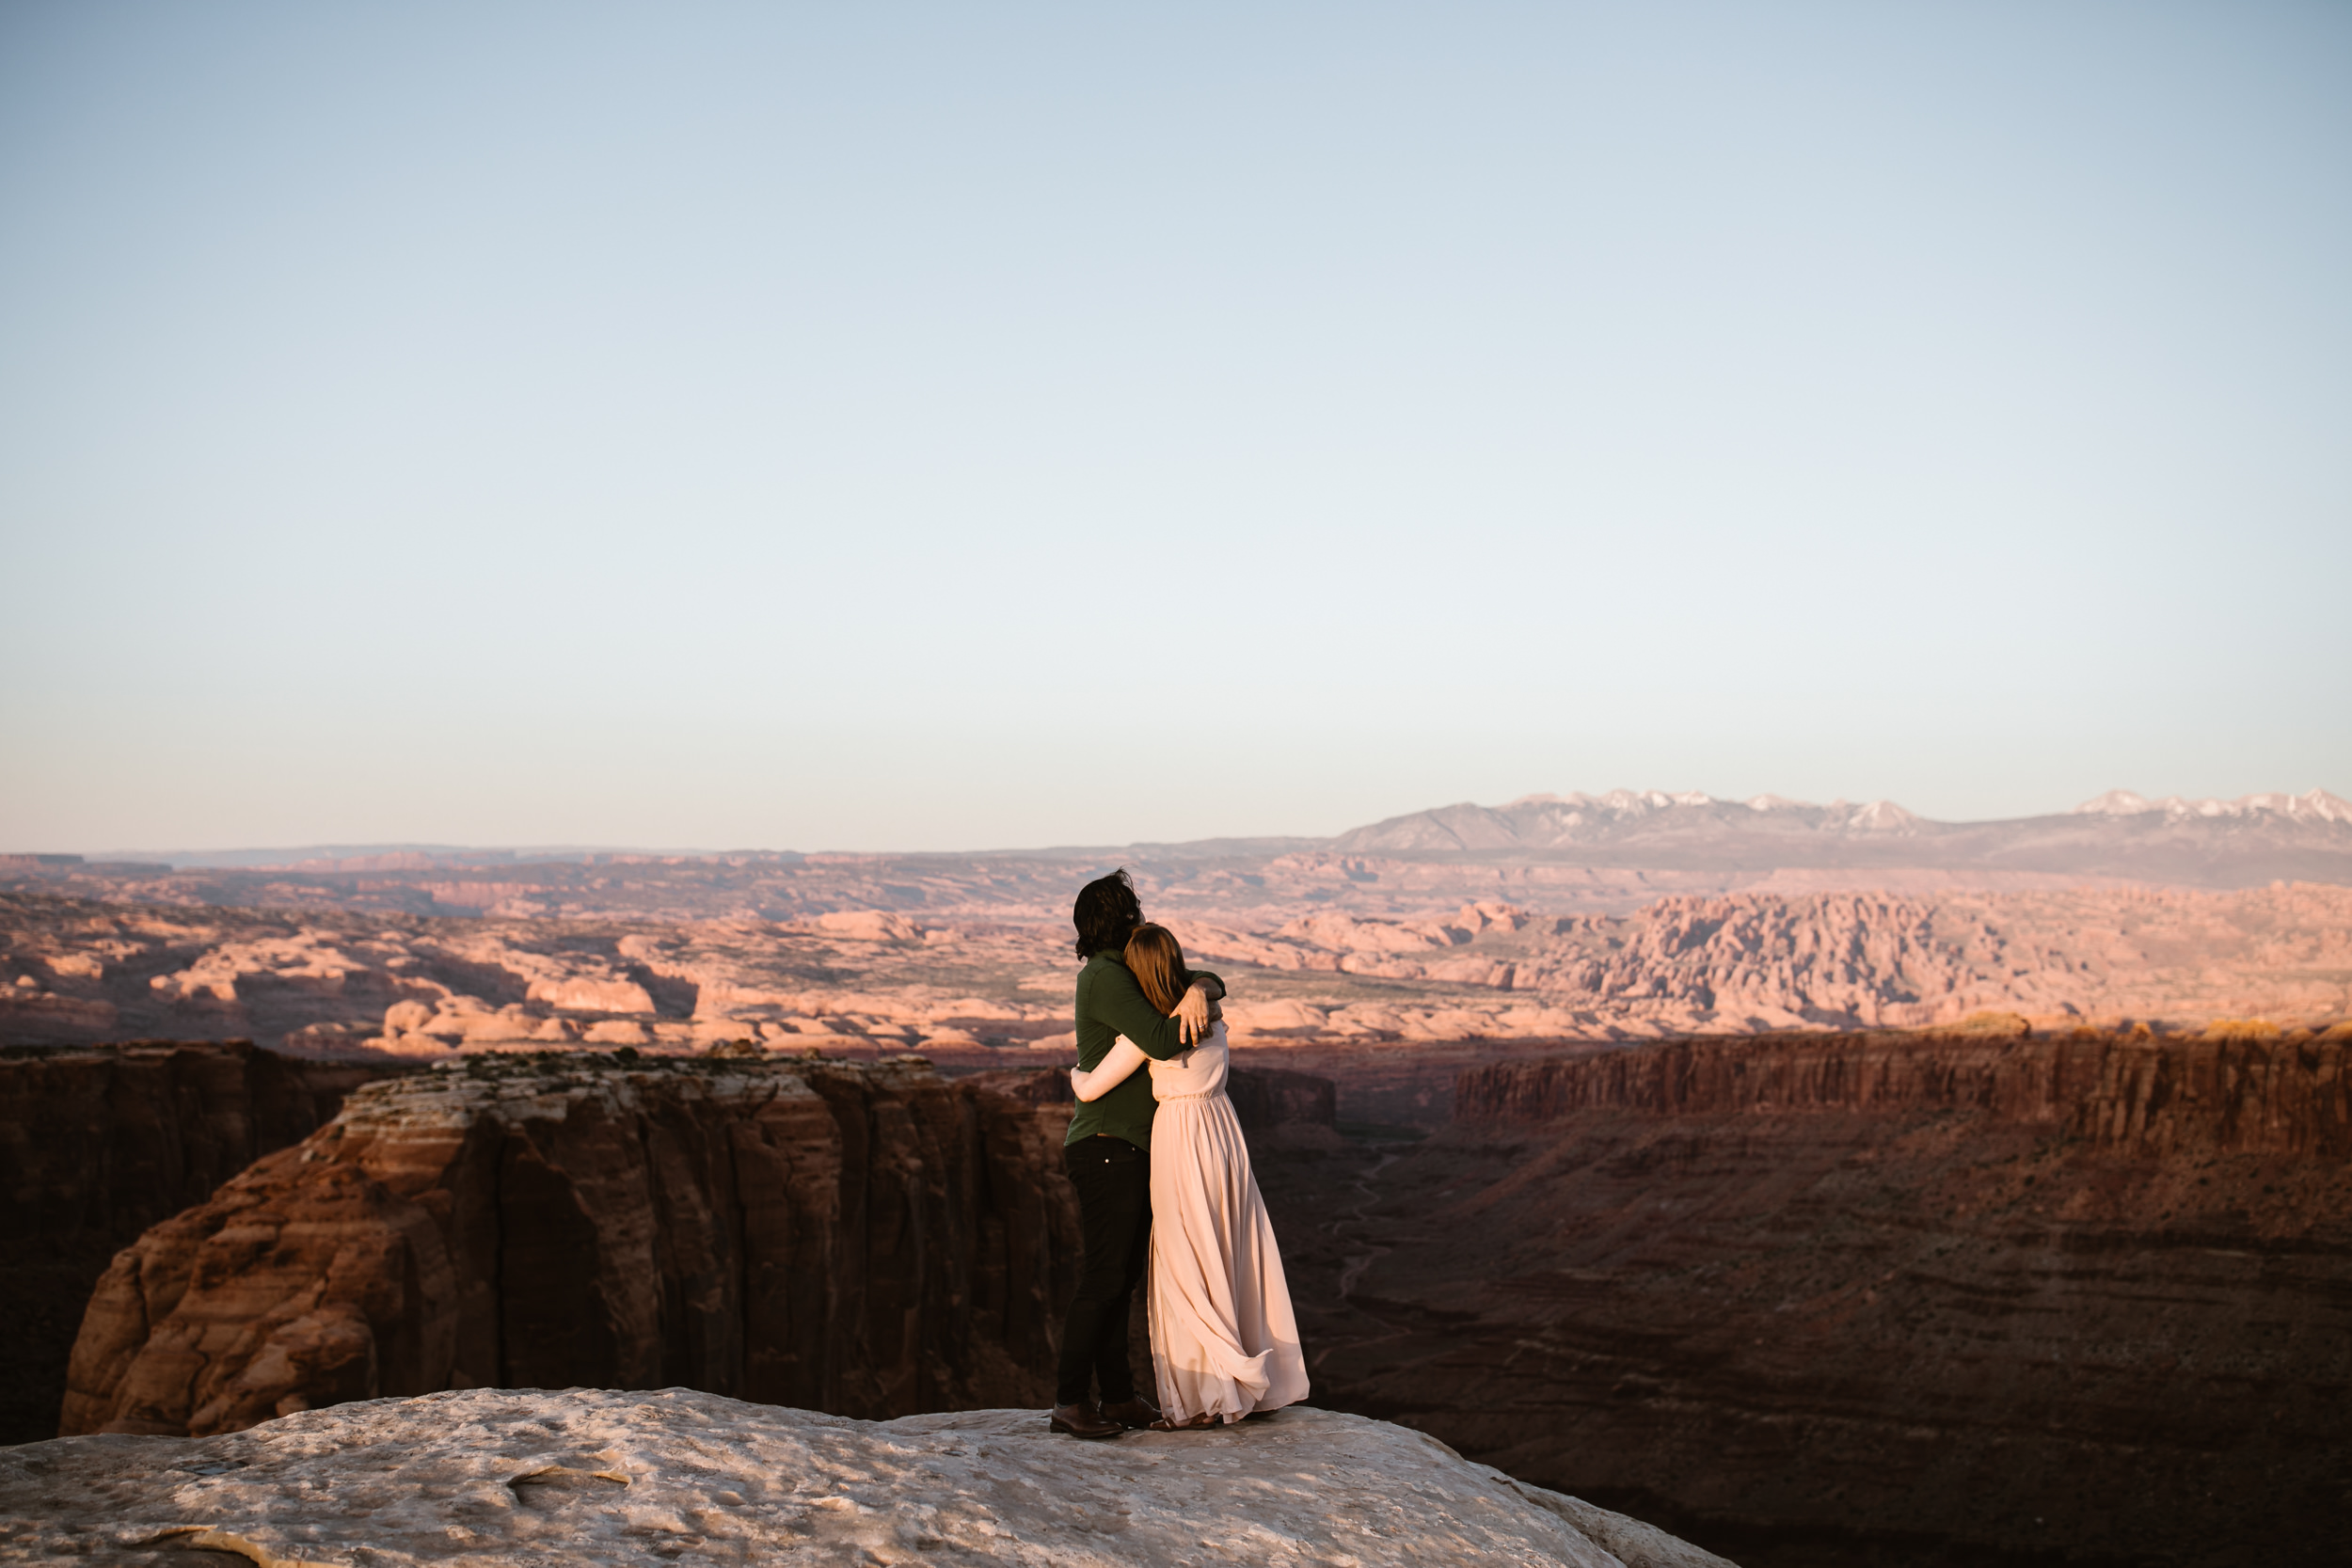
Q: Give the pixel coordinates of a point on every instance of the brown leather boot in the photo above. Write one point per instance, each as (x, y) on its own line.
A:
(1082, 1420)
(1137, 1413)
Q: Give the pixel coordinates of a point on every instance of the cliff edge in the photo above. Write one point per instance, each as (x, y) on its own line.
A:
(99, 1143)
(527, 1476)
(868, 1239)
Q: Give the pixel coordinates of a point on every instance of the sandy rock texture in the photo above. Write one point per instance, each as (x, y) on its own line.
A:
(864, 1238)
(96, 1145)
(1825, 1302)
(528, 1478)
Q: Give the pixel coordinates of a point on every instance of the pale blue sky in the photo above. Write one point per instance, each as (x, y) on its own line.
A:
(949, 426)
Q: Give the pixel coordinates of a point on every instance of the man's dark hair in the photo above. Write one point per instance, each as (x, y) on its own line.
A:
(1107, 914)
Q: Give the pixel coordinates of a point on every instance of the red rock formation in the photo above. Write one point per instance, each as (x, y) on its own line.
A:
(1834, 1299)
(325, 982)
(2281, 1096)
(96, 1145)
(867, 1238)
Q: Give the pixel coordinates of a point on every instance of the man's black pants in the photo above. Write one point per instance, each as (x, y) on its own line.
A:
(1114, 1182)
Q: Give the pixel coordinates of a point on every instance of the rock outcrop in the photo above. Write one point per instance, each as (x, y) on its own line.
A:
(1832, 1301)
(869, 1238)
(96, 1145)
(861, 1238)
(527, 1478)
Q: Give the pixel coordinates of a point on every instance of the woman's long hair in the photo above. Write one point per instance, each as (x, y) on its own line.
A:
(1156, 958)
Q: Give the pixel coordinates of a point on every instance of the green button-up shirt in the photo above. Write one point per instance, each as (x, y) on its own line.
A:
(1111, 1003)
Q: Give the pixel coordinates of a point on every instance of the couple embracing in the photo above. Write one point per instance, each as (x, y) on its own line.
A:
(1165, 1192)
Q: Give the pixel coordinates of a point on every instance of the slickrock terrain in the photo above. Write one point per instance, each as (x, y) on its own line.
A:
(1939, 1300)
(1554, 918)
(530, 1477)
(96, 1145)
(328, 983)
(868, 1239)
(1763, 961)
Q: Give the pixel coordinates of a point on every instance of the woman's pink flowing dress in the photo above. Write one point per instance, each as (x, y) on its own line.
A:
(1224, 1341)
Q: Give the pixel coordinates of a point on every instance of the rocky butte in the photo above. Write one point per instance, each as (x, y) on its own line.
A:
(98, 1144)
(1954, 1299)
(868, 1239)
(516, 1478)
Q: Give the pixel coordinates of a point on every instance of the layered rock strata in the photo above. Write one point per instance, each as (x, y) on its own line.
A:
(865, 1238)
(501, 1478)
(2135, 1095)
(1845, 1301)
(96, 1145)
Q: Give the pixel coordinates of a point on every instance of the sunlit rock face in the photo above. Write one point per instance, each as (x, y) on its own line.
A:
(864, 1238)
(868, 1239)
(96, 1145)
(592, 1476)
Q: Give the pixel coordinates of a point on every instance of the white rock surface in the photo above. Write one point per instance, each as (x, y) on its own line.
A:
(527, 1477)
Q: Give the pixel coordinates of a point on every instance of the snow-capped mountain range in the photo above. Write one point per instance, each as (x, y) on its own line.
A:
(2255, 837)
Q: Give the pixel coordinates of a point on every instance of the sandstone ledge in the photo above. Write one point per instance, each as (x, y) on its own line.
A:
(524, 1477)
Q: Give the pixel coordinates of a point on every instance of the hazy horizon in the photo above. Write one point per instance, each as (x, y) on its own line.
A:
(229, 856)
(906, 430)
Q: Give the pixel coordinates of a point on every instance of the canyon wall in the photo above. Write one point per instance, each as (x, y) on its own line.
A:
(96, 1145)
(867, 1239)
(1829, 1301)
(2276, 1095)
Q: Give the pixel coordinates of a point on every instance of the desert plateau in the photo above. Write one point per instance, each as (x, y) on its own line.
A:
(1624, 916)
(1819, 1185)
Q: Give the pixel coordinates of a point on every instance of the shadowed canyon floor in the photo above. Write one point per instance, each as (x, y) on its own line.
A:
(531, 1478)
(1868, 1300)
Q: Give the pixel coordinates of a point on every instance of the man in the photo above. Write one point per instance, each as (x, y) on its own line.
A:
(1108, 1156)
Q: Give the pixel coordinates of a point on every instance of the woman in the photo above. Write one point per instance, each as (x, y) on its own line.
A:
(1224, 1341)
